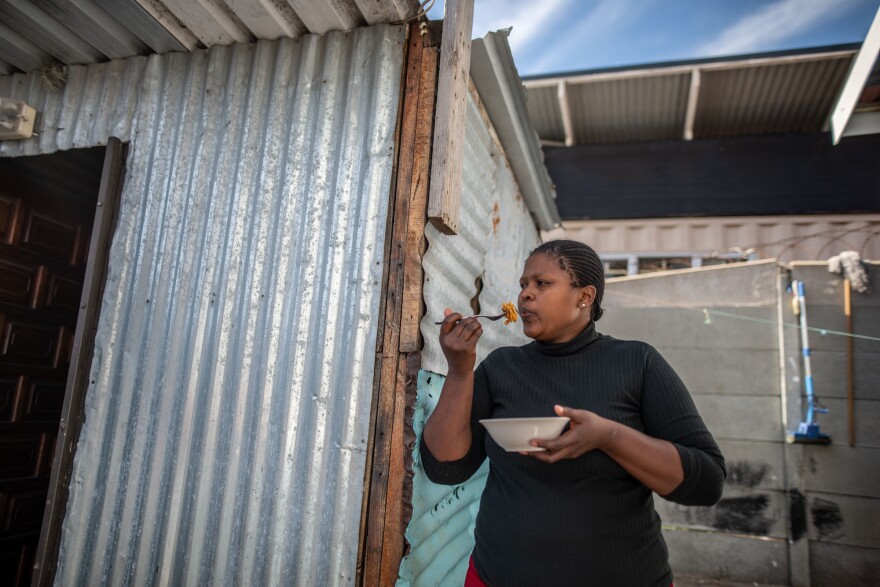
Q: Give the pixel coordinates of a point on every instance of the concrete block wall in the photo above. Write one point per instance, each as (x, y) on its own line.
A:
(841, 483)
(791, 514)
(717, 326)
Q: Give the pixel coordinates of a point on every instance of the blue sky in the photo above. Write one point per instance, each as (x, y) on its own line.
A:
(551, 36)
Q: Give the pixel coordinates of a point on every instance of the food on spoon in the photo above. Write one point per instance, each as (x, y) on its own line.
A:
(509, 312)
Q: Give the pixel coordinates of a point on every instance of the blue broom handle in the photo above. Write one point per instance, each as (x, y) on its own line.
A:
(805, 343)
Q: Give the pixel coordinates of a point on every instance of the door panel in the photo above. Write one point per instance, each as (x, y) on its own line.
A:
(19, 283)
(10, 218)
(44, 401)
(28, 342)
(55, 237)
(63, 293)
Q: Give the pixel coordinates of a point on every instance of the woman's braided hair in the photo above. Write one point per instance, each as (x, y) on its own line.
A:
(582, 264)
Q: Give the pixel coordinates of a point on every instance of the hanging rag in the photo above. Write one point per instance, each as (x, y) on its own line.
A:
(849, 264)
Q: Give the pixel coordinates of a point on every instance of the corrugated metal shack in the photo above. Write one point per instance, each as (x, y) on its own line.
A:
(226, 414)
(212, 262)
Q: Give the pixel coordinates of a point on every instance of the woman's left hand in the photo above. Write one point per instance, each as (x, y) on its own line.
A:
(587, 431)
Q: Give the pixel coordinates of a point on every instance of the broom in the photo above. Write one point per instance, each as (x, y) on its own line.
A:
(808, 431)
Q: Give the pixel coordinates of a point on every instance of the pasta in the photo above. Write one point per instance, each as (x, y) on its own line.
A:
(509, 312)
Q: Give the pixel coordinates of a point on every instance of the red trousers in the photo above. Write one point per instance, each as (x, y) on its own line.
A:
(472, 579)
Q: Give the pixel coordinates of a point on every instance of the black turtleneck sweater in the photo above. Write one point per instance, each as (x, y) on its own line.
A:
(583, 521)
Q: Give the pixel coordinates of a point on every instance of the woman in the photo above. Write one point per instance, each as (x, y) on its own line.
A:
(581, 512)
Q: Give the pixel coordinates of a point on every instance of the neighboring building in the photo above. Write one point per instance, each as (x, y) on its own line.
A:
(710, 161)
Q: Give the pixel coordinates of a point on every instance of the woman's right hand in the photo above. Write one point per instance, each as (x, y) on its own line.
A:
(458, 339)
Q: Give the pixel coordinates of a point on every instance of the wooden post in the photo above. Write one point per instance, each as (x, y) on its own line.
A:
(444, 201)
(850, 391)
(384, 517)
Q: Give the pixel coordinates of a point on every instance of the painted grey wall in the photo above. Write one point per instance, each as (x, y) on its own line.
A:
(841, 483)
(716, 327)
(790, 514)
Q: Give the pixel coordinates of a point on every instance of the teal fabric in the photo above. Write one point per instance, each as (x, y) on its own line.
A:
(441, 532)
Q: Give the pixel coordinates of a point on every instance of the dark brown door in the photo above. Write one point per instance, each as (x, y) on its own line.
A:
(43, 247)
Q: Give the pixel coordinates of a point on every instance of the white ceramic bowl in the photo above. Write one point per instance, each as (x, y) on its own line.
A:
(514, 434)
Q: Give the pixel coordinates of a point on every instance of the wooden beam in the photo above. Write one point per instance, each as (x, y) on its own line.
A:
(444, 201)
(410, 333)
(384, 513)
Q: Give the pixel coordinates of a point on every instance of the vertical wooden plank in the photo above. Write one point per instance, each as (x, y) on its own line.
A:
(378, 455)
(399, 508)
(444, 201)
(392, 539)
(410, 337)
(382, 524)
(81, 359)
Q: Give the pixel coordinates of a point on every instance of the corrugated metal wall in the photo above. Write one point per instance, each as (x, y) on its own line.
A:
(98, 101)
(495, 235)
(227, 417)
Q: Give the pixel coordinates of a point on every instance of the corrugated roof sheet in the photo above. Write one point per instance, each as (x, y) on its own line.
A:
(770, 99)
(38, 33)
(545, 114)
(629, 109)
(744, 95)
(227, 418)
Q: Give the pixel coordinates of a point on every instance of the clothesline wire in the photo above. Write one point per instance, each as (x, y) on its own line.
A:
(708, 311)
(822, 331)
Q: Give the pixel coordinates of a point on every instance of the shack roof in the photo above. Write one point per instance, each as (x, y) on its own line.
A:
(36, 35)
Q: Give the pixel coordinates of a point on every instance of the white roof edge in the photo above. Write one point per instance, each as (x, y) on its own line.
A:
(501, 90)
(855, 81)
(661, 70)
